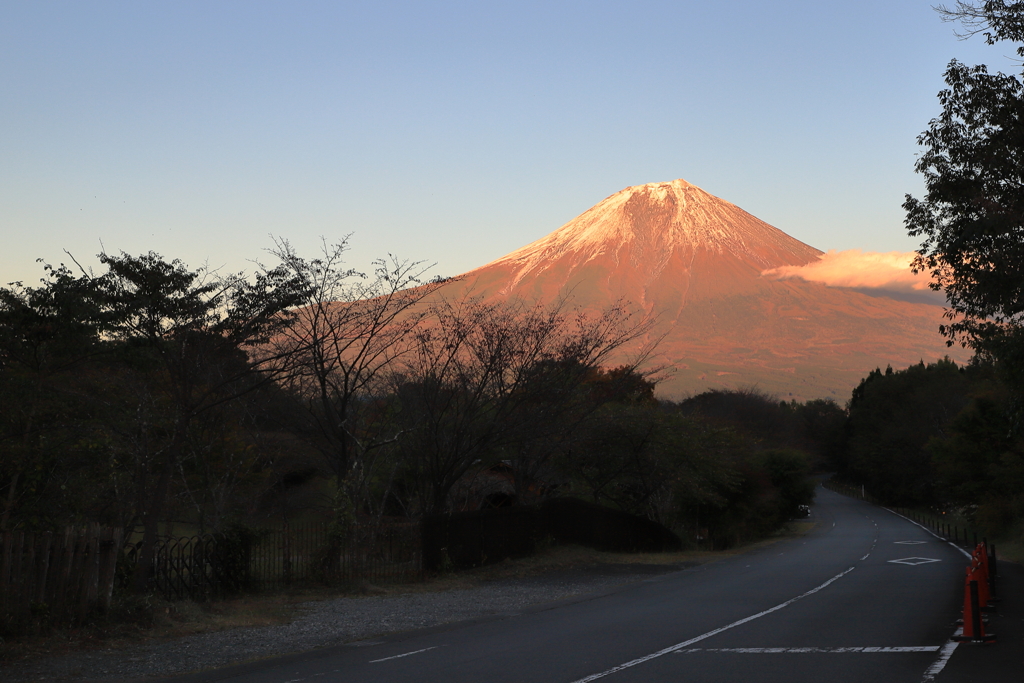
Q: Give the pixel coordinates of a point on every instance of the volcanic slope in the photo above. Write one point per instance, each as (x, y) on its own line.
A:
(696, 262)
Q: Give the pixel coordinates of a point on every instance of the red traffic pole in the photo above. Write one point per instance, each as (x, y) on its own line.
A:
(974, 628)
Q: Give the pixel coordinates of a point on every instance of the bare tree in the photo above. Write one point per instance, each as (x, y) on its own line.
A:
(348, 328)
(997, 19)
(488, 378)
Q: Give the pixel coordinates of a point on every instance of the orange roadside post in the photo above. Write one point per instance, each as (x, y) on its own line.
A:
(986, 562)
(979, 570)
(974, 628)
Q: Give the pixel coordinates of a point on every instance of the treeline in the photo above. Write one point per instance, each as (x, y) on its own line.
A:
(943, 437)
(152, 394)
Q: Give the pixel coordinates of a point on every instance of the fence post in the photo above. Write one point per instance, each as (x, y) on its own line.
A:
(44, 567)
(77, 575)
(5, 568)
(60, 573)
(286, 561)
(16, 582)
(28, 572)
(110, 548)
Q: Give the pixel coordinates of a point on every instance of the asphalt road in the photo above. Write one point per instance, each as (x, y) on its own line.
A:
(865, 596)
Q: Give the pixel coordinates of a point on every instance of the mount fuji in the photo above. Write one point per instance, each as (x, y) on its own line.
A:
(702, 266)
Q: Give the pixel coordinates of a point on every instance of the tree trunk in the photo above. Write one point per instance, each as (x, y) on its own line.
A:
(143, 578)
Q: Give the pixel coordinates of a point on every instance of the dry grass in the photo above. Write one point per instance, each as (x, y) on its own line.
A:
(134, 620)
(1011, 550)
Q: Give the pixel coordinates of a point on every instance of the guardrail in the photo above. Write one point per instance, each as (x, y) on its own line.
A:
(955, 531)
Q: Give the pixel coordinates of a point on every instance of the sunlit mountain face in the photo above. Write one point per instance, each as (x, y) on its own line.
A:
(696, 262)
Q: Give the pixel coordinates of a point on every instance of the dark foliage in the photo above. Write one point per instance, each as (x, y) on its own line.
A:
(972, 214)
(893, 415)
(814, 427)
(980, 464)
(471, 539)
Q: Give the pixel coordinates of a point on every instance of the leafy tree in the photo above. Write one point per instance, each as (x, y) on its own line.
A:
(980, 463)
(760, 416)
(821, 424)
(788, 472)
(188, 336)
(47, 334)
(972, 214)
(654, 461)
(893, 415)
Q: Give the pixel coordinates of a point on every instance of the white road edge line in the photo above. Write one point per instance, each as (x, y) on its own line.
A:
(966, 554)
(802, 650)
(415, 652)
(947, 650)
(939, 664)
(691, 641)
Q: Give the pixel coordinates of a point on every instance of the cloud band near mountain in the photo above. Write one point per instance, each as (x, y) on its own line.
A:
(858, 269)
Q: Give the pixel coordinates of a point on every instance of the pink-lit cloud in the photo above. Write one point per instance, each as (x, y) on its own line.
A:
(889, 271)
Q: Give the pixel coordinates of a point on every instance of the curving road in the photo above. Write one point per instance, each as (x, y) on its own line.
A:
(865, 596)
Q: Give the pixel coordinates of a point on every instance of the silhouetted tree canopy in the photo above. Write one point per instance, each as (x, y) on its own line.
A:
(892, 417)
(972, 214)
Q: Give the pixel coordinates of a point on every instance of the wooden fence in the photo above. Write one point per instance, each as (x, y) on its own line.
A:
(378, 554)
(217, 565)
(56, 578)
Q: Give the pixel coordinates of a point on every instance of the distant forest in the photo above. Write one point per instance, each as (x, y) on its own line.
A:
(161, 399)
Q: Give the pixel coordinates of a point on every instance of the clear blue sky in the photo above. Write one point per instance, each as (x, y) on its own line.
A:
(452, 132)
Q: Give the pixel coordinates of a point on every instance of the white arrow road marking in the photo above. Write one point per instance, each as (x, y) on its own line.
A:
(914, 561)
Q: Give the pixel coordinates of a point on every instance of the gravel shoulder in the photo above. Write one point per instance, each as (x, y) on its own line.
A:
(491, 592)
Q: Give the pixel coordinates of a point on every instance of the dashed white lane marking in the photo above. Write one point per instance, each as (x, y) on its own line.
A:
(414, 652)
(865, 557)
(802, 650)
(691, 641)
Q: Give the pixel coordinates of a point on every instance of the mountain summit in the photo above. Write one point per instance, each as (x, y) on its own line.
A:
(658, 246)
(696, 262)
